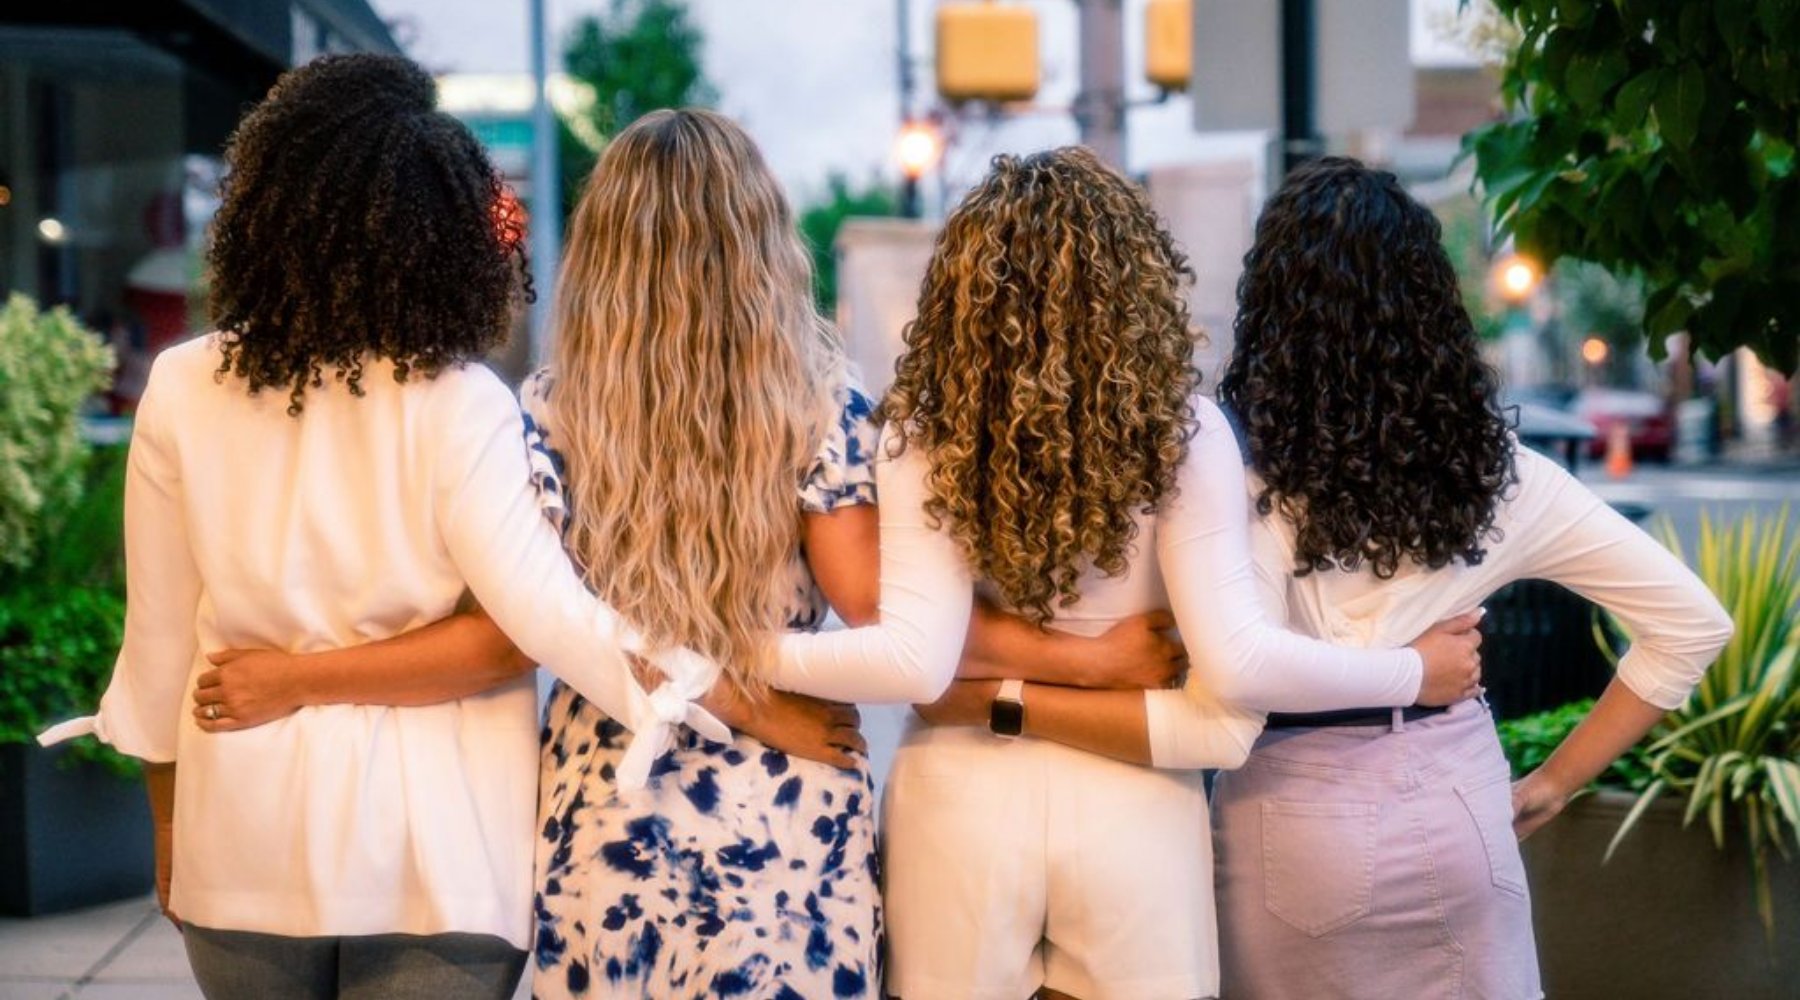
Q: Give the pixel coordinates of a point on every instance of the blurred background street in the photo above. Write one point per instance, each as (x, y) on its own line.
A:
(1616, 184)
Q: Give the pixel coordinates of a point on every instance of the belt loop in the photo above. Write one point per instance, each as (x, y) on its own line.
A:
(1399, 720)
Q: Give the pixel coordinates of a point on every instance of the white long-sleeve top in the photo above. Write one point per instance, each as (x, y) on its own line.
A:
(362, 518)
(1193, 557)
(1551, 527)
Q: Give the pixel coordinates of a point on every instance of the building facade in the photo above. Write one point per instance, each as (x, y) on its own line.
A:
(113, 119)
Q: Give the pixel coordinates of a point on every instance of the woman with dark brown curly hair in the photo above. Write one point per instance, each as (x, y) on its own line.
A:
(1048, 383)
(1378, 858)
(1372, 853)
(333, 466)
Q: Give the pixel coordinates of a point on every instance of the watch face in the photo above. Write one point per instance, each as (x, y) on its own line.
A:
(1007, 718)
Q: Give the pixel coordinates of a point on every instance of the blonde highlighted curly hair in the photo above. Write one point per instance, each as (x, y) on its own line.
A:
(1049, 374)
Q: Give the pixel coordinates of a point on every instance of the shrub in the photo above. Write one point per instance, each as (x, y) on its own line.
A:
(49, 367)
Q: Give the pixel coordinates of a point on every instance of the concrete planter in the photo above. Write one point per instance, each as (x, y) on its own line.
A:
(1670, 916)
(71, 834)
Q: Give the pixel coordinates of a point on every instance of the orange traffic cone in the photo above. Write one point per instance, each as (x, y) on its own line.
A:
(1618, 450)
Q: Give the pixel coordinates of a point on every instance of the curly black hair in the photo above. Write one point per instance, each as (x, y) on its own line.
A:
(1357, 377)
(359, 221)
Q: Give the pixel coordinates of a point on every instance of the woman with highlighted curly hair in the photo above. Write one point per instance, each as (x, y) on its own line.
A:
(1372, 852)
(1048, 390)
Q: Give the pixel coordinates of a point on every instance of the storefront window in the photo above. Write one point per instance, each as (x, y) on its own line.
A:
(103, 211)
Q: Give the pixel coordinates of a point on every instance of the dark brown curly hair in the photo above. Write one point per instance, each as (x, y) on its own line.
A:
(359, 221)
(1357, 378)
(1049, 374)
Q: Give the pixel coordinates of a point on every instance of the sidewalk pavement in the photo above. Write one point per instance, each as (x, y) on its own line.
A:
(121, 951)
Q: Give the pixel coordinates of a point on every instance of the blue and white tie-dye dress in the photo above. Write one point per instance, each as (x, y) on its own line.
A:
(740, 872)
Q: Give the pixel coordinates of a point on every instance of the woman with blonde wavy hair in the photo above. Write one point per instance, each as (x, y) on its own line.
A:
(1048, 386)
(712, 464)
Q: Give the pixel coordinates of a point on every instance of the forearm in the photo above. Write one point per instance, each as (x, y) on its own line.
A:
(159, 782)
(457, 657)
(1109, 723)
(1619, 720)
(1001, 646)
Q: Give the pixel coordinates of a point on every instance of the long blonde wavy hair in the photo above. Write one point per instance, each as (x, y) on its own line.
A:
(693, 382)
(1048, 374)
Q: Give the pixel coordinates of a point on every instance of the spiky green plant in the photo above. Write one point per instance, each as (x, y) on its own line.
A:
(1734, 748)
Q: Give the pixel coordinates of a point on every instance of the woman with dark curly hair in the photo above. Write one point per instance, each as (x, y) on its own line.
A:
(329, 468)
(1372, 853)
(1375, 857)
(1048, 391)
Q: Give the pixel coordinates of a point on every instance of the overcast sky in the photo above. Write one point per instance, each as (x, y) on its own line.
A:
(816, 80)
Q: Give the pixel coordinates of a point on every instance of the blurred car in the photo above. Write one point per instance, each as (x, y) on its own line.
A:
(1648, 418)
(1548, 428)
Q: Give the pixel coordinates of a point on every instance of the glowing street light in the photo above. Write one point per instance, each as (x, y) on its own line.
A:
(1518, 276)
(918, 149)
(1594, 351)
(52, 231)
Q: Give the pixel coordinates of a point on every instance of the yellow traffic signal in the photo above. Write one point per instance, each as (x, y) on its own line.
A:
(1169, 43)
(987, 52)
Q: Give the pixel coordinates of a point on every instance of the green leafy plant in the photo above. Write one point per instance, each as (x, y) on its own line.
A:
(49, 366)
(1657, 138)
(62, 603)
(820, 223)
(1530, 740)
(58, 649)
(1734, 748)
(636, 57)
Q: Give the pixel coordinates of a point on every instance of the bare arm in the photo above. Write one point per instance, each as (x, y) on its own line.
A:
(458, 657)
(1108, 723)
(911, 653)
(159, 782)
(1677, 627)
(843, 550)
(1619, 720)
(1135, 654)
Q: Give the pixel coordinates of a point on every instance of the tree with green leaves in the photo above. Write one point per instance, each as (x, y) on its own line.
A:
(1657, 138)
(820, 222)
(637, 56)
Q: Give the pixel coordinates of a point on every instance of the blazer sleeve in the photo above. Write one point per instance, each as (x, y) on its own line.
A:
(1574, 538)
(1237, 653)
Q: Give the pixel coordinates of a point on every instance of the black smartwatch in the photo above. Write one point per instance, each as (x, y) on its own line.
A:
(1006, 716)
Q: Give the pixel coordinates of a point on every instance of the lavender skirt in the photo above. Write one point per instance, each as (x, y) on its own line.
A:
(1373, 862)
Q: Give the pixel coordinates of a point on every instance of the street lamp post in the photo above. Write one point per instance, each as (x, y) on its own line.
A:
(1299, 49)
(546, 196)
(909, 181)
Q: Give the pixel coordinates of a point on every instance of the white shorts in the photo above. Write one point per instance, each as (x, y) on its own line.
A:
(1018, 864)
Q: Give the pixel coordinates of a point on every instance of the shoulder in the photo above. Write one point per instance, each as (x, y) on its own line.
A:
(470, 391)
(188, 360)
(534, 392)
(1215, 444)
(843, 468)
(852, 399)
(180, 377)
(1543, 488)
(1207, 412)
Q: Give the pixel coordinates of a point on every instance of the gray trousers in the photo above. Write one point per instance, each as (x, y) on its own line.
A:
(237, 965)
